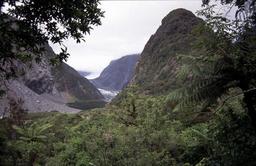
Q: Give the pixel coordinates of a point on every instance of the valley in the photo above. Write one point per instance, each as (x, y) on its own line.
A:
(188, 99)
(116, 76)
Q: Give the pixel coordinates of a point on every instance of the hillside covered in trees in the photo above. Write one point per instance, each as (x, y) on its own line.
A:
(191, 102)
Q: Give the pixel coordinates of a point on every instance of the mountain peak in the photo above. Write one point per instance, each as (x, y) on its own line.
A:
(179, 20)
(156, 69)
(179, 13)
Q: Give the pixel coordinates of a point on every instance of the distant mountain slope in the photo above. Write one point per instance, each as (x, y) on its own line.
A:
(72, 85)
(49, 88)
(156, 69)
(83, 73)
(117, 74)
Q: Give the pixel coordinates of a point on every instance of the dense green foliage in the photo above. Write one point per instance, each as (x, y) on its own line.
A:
(225, 60)
(212, 127)
(140, 131)
(87, 104)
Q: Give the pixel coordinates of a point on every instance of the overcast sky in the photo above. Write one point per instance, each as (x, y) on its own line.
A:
(125, 29)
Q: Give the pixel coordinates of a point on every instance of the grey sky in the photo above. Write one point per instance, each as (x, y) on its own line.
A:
(125, 30)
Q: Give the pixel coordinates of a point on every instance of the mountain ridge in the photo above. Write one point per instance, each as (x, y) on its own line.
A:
(117, 74)
(157, 67)
(44, 87)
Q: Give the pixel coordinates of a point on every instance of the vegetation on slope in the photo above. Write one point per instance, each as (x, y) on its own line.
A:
(157, 67)
(81, 93)
(140, 131)
(150, 130)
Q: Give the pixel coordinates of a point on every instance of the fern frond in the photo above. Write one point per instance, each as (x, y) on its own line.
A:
(197, 132)
(43, 128)
(183, 72)
(18, 129)
(206, 89)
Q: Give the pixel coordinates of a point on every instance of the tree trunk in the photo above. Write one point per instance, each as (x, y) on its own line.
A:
(32, 158)
(249, 100)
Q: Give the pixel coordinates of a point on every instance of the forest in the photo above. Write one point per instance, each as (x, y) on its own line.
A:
(202, 115)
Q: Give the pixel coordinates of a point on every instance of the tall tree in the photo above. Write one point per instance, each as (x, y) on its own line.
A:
(27, 25)
(246, 8)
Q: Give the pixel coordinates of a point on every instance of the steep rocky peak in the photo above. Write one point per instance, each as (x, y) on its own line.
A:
(155, 72)
(180, 14)
(178, 21)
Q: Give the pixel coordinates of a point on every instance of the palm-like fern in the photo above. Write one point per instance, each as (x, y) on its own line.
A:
(32, 139)
(202, 84)
(226, 59)
(33, 133)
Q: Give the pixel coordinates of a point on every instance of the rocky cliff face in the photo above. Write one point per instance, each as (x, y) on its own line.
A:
(73, 86)
(155, 72)
(117, 74)
(48, 88)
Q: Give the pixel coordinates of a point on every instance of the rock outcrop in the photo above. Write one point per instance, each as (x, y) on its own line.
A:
(157, 67)
(44, 87)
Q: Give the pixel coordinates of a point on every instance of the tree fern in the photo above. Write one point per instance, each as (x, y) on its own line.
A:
(33, 132)
(226, 59)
